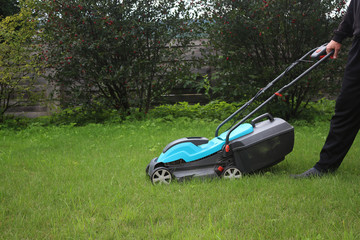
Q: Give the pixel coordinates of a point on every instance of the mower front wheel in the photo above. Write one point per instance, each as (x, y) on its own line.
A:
(161, 176)
(231, 173)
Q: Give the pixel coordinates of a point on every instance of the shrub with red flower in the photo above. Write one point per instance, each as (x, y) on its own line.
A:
(134, 38)
(262, 38)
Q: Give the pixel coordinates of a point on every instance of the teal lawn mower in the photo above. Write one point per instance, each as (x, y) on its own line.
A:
(244, 148)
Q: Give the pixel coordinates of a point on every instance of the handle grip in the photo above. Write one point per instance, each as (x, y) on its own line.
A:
(319, 52)
(261, 117)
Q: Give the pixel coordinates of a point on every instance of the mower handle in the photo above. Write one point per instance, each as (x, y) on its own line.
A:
(261, 91)
(273, 95)
(261, 117)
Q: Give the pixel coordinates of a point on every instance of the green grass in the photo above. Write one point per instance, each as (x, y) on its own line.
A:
(90, 183)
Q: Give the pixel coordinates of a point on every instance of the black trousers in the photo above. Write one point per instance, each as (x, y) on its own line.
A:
(345, 123)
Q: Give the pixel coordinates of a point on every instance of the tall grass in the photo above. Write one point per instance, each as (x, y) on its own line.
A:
(90, 183)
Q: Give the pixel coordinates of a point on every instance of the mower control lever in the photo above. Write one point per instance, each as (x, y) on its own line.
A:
(320, 52)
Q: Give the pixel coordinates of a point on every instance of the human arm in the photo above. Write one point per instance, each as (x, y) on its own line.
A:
(333, 45)
(345, 28)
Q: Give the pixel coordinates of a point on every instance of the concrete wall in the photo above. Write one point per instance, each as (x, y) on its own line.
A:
(177, 95)
(34, 110)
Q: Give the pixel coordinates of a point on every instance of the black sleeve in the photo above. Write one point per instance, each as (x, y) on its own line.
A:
(345, 28)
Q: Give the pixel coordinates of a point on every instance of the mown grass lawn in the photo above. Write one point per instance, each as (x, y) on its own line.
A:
(90, 183)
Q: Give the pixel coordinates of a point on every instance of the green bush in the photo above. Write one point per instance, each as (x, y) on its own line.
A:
(220, 110)
(11, 122)
(321, 110)
(215, 110)
(79, 116)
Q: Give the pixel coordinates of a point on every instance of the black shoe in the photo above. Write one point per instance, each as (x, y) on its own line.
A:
(312, 172)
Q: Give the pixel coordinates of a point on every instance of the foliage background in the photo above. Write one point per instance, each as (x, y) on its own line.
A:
(116, 54)
(19, 63)
(121, 56)
(254, 41)
(8, 7)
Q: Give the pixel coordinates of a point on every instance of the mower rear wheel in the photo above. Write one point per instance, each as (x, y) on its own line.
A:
(232, 173)
(161, 176)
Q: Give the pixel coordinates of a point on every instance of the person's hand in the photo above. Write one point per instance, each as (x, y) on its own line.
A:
(332, 45)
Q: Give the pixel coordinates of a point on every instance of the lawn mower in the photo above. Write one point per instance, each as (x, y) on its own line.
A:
(244, 148)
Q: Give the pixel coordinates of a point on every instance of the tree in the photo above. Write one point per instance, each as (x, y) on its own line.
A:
(18, 60)
(8, 8)
(253, 41)
(118, 53)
